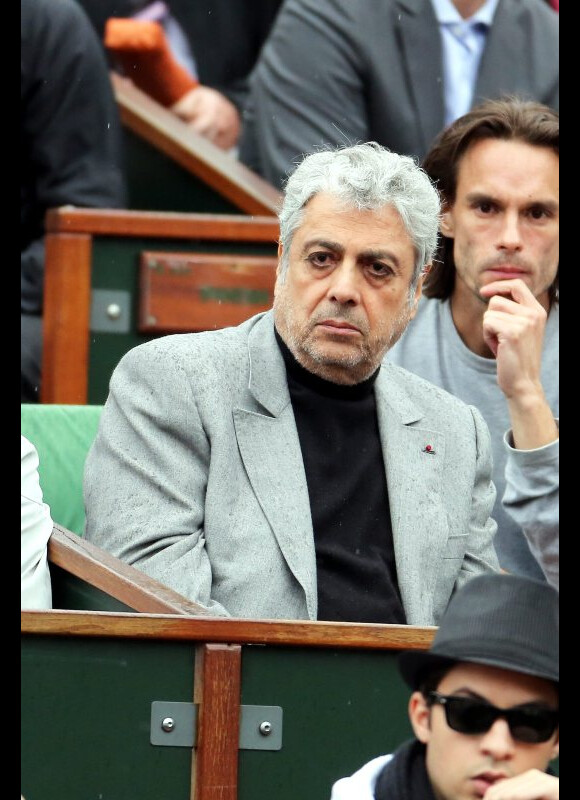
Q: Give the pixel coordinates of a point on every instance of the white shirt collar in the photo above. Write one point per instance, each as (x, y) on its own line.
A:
(447, 14)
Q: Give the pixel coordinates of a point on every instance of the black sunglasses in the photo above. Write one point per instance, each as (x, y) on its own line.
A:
(529, 723)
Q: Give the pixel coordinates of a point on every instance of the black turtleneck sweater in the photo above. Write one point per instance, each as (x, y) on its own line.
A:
(341, 449)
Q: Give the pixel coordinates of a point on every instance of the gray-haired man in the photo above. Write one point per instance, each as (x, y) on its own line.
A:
(280, 468)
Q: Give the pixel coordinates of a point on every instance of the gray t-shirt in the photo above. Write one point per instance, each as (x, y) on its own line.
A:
(432, 348)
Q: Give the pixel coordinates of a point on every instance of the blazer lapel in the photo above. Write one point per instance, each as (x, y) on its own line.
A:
(418, 32)
(413, 457)
(270, 449)
(506, 37)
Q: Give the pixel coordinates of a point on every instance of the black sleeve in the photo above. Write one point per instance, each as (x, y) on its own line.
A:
(69, 121)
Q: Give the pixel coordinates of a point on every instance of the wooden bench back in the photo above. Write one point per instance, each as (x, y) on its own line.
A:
(171, 168)
(97, 686)
(114, 279)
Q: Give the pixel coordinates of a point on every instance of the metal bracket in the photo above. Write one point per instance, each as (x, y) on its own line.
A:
(175, 725)
(110, 311)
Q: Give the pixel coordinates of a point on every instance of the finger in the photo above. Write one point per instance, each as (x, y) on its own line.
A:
(501, 328)
(205, 127)
(505, 325)
(497, 320)
(515, 288)
(491, 340)
(508, 305)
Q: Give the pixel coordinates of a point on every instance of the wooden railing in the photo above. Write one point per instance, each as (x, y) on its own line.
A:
(217, 169)
(87, 249)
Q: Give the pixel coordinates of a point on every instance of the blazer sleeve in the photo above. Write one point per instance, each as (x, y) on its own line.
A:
(480, 555)
(146, 474)
(306, 90)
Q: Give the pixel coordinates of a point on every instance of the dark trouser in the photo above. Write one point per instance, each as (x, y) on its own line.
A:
(30, 357)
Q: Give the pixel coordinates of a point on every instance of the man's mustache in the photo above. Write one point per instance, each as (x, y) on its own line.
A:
(339, 314)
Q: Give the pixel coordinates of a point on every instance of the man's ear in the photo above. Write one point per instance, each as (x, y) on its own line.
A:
(280, 251)
(420, 717)
(419, 287)
(446, 223)
(556, 747)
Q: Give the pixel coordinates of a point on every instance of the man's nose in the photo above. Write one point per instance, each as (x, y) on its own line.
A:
(344, 285)
(510, 234)
(498, 741)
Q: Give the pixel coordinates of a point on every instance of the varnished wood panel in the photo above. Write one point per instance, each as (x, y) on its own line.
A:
(185, 292)
(111, 575)
(67, 298)
(227, 630)
(71, 234)
(217, 691)
(173, 225)
(216, 168)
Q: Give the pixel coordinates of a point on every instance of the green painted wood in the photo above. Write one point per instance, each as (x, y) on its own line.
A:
(341, 708)
(115, 266)
(70, 592)
(62, 435)
(85, 718)
(86, 705)
(155, 182)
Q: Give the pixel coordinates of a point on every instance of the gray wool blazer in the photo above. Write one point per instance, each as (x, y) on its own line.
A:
(196, 477)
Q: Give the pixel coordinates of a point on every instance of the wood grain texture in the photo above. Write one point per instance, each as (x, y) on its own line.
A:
(358, 635)
(65, 354)
(169, 224)
(113, 576)
(68, 266)
(187, 292)
(164, 130)
(217, 691)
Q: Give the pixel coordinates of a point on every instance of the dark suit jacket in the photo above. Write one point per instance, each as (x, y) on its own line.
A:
(335, 72)
(70, 131)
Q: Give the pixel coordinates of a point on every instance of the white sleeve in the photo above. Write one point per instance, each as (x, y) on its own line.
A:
(35, 530)
(361, 784)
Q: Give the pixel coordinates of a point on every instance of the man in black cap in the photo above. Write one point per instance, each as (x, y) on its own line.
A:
(484, 707)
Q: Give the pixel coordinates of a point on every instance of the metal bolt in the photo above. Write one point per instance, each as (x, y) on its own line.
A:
(265, 728)
(113, 311)
(168, 724)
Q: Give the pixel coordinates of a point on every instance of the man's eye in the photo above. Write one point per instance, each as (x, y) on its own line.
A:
(320, 259)
(485, 207)
(378, 268)
(537, 212)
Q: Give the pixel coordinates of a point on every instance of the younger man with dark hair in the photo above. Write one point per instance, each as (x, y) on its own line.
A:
(484, 707)
(487, 327)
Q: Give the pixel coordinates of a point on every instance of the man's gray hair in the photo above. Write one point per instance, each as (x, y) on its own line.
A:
(366, 177)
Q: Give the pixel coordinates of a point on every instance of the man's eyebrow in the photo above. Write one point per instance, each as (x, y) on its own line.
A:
(486, 197)
(326, 243)
(465, 690)
(364, 255)
(379, 255)
(473, 695)
(549, 205)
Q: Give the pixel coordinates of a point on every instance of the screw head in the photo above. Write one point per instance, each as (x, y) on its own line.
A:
(167, 724)
(113, 311)
(265, 728)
